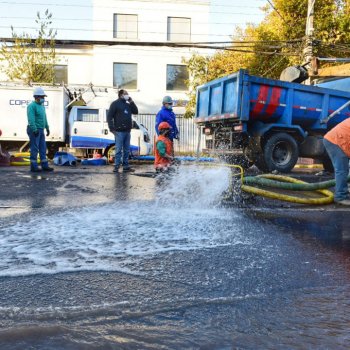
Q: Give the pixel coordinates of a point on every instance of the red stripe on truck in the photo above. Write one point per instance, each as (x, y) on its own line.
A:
(274, 101)
(260, 104)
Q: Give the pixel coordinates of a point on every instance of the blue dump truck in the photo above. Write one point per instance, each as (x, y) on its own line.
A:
(270, 123)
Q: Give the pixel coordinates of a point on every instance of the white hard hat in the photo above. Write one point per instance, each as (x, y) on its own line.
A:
(38, 91)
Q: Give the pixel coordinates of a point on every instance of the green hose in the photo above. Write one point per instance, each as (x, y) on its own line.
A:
(284, 182)
(265, 180)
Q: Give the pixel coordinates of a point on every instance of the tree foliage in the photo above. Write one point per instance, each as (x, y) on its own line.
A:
(277, 42)
(28, 59)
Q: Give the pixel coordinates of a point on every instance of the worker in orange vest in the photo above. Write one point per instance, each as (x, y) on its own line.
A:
(164, 149)
(337, 144)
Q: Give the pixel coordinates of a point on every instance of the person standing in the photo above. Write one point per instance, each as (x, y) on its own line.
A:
(164, 149)
(166, 114)
(119, 120)
(37, 122)
(337, 144)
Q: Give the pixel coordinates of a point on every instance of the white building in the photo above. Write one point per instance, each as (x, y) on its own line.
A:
(127, 49)
(148, 72)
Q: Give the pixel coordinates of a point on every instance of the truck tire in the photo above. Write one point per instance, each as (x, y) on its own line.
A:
(280, 152)
(261, 164)
(109, 153)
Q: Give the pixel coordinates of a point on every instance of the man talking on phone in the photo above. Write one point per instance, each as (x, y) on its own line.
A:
(119, 119)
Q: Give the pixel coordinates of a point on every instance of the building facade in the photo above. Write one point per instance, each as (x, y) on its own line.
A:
(148, 72)
(131, 48)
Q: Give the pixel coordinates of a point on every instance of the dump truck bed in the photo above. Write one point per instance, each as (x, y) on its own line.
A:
(241, 97)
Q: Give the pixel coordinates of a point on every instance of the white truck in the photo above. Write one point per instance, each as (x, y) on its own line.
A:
(77, 117)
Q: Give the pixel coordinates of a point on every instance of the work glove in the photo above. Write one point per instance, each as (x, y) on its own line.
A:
(47, 132)
(36, 133)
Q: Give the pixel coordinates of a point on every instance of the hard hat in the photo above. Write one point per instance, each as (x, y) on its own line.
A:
(167, 99)
(164, 125)
(38, 91)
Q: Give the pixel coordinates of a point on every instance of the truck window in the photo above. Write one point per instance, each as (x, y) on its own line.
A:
(87, 115)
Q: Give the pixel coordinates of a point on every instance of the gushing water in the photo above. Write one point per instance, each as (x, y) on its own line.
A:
(194, 187)
(106, 237)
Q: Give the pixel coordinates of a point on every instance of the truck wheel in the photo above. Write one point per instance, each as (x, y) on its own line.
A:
(280, 152)
(327, 164)
(110, 154)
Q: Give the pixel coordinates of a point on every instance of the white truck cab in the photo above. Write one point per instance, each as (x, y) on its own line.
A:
(73, 121)
(88, 128)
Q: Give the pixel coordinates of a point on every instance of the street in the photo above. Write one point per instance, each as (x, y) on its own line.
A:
(96, 260)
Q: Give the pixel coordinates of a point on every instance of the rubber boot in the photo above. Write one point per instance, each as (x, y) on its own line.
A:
(128, 170)
(45, 166)
(34, 168)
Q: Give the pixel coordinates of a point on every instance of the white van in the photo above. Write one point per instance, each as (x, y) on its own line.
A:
(83, 128)
(88, 128)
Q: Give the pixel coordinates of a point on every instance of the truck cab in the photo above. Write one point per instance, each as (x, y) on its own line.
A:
(88, 128)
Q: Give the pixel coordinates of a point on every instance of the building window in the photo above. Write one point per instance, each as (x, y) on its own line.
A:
(125, 26)
(179, 29)
(125, 75)
(60, 74)
(176, 76)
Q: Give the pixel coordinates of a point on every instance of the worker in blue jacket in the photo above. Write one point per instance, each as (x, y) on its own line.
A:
(166, 114)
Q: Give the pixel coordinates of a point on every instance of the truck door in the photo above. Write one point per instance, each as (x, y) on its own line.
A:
(136, 139)
(108, 137)
(86, 126)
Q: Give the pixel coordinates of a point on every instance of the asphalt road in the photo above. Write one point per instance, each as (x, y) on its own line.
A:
(95, 260)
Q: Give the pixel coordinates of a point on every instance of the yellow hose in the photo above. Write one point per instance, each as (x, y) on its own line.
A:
(327, 198)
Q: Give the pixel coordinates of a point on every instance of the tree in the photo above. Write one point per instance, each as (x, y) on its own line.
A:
(28, 59)
(276, 43)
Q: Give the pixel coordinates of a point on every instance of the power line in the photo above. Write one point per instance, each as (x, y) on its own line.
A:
(274, 66)
(124, 8)
(244, 49)
(269, 1)
(111, 31)
(144, 1)
(120, 21)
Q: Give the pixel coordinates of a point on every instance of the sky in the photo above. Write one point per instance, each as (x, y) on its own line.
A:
(73, 18)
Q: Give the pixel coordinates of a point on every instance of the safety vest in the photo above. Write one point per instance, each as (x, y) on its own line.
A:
(340, 136)
(162, 162)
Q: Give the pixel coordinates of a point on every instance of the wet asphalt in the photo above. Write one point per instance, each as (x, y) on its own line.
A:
(287, 290)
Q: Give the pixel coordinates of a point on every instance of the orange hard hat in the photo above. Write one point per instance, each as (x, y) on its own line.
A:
(164, 125)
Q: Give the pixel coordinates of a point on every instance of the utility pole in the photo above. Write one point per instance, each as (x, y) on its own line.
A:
(309, 32)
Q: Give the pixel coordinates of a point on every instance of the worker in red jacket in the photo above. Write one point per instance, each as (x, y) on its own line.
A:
(164, 148)
(337, 144)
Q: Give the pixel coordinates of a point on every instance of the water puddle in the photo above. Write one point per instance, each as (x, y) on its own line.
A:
(184, 215)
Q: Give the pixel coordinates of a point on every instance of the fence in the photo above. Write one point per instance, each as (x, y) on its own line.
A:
(187, 128)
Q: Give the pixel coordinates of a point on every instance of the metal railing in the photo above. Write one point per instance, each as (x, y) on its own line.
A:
(188, 131)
